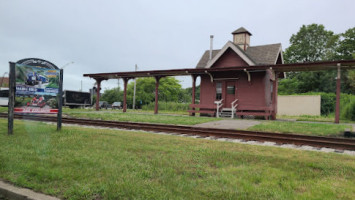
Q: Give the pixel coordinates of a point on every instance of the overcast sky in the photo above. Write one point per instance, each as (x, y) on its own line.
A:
(113, 36)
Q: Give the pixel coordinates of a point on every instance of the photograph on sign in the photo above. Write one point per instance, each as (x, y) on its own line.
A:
(36, 89)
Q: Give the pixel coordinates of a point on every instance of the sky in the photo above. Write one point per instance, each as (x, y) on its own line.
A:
(114, 36)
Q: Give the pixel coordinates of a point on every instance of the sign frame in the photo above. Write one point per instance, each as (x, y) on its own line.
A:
(12, 89)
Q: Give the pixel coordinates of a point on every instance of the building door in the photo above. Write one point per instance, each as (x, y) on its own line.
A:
(230, 93)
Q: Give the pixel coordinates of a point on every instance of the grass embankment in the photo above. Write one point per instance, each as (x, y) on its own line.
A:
(79, 163)
(301, 128)
(140, 117)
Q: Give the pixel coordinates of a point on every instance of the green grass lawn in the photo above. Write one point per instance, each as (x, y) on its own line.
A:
(3, 109)
(322, 118)
(141, 117)
(301, 128)
(80, 163)
(78, 110)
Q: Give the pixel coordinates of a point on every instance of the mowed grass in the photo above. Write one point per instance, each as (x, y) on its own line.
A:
(149, 118)
(79, 110)
(311, 118)
(80, 163)
(301, 128)
(3, 109)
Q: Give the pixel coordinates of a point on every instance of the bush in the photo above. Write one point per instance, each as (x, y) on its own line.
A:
(348, 111)
(172, 106)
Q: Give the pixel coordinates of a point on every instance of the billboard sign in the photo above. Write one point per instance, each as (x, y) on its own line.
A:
(37, 88)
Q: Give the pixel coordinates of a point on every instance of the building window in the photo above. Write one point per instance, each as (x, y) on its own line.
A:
(230, 89)
(218, 91)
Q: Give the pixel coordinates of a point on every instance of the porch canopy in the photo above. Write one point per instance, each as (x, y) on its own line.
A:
(194, 72)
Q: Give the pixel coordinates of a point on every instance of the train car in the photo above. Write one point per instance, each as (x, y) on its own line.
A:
(33, 79)
(75, 99)
(4, 96)
(43, 79)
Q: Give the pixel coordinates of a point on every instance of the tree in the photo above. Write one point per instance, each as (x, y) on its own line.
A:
(346, 51)
(112, 95)
(197, 92)
(311, 43)
(346, 47)
(169, 90)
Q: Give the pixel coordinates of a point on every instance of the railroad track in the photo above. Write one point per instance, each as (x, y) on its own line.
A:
(280, 138)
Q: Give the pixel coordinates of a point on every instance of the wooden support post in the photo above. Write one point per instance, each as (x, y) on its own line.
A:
(60, 101)
(337, 103)
(157, 78)
(12, 87)
(98, 84)
(193, 92)
(274, 96)
(125, 81)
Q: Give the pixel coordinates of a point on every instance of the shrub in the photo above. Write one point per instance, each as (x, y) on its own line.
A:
(348, 110)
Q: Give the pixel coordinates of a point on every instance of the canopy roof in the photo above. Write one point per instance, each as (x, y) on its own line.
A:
(311, 66)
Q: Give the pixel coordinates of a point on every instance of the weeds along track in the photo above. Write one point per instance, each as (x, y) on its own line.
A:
(280, 138)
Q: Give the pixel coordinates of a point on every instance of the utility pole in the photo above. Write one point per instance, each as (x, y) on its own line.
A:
(81, 87)
(134, 91)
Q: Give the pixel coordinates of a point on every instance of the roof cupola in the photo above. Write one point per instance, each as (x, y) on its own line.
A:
(241, 37)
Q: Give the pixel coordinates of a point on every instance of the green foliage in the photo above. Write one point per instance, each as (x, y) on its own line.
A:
(111, 95)
(197, 92)
(348, 111)
(346, 47)
(170, 90)
(311, 43)
(351, 80)
(172, 106)
(315, 43)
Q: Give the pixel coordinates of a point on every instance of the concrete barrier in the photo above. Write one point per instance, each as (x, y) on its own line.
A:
(299, 105)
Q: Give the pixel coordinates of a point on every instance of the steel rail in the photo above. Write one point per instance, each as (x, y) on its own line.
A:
(280, 138)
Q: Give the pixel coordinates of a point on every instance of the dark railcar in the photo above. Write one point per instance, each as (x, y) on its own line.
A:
(76, 98)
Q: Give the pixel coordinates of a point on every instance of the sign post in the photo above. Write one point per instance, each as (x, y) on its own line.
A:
(11, 98)
(36, 83)
(60, 101)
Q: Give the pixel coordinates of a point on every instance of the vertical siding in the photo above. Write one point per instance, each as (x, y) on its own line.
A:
(207, 90)
(253, 93)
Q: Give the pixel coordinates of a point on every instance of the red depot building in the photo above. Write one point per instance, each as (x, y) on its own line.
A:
(236, 80)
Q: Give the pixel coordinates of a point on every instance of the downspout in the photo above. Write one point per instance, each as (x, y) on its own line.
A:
(249, 78)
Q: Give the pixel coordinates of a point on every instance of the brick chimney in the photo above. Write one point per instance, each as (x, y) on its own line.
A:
(241, 37)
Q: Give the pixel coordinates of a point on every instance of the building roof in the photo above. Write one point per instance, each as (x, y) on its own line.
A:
(241, 30)
(313, 66)
(260, 55)
(264, 54)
